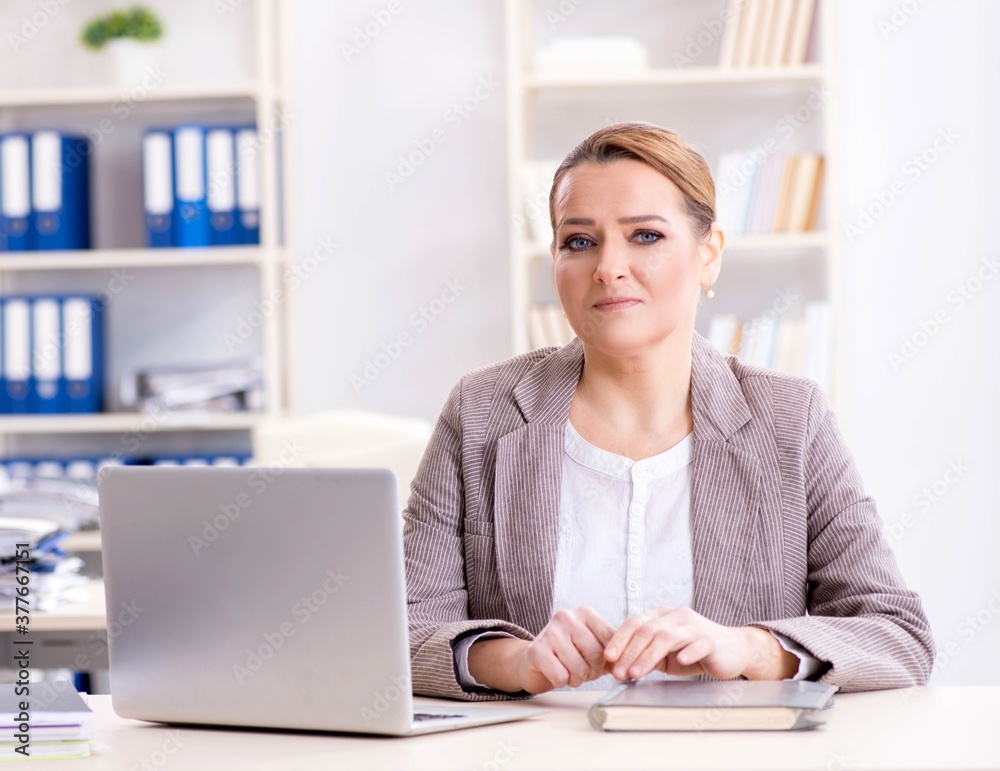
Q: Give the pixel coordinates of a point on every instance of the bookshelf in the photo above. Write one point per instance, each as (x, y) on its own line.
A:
(176, 302)
(784, 105)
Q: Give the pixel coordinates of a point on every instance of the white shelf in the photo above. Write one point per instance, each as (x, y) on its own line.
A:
(82, 540)
(90, 259)
(105, 95)
(112, 422)
(692, 76)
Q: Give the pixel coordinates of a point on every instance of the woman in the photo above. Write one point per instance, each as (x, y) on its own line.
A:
(636, 502)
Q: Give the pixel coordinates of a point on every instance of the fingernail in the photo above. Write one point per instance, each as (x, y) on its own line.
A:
(619, 673)
(612, 651)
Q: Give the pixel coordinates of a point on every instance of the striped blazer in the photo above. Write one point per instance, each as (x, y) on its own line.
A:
(784, 536)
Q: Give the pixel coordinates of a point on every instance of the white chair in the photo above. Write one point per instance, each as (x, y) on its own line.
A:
(345, 439)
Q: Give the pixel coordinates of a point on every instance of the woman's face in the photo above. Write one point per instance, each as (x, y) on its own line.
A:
(628, 263)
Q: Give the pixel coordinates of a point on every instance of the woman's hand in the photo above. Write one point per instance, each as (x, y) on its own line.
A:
(679, 641)
(568, 651)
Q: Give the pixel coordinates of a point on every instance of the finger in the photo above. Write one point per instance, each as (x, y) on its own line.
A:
(569, 655)
(623, 636)
(552, 669)
(694, 652)
(663, 643)
(601, 628)
(649, 647)
(671, 666)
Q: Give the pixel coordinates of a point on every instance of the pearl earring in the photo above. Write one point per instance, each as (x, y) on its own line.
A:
(709, 292)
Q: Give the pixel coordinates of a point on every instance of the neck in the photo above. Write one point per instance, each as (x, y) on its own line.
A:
(648, 390)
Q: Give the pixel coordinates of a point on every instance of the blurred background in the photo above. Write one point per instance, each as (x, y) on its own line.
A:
(226, 224)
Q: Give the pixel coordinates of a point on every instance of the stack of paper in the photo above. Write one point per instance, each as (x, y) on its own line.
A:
(53, 578)
(224, 387)
(59, 722)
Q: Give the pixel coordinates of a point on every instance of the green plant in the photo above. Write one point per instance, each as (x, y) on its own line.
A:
(137, 23)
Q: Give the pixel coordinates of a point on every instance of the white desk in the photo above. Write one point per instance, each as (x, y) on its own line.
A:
(927, 728)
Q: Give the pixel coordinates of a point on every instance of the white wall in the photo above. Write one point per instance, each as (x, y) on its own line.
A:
(938, 70)
(935, 70)
(400, 247)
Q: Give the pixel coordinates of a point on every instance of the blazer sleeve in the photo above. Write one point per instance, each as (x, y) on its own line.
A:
(433, 543)
(862, 619)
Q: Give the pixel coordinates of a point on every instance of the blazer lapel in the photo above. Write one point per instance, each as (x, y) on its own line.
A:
(725, 505)
(528, 487)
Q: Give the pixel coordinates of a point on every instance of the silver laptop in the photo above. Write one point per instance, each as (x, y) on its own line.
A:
(263, 597)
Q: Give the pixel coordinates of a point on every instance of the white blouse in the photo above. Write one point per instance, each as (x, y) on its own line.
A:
(624, 542)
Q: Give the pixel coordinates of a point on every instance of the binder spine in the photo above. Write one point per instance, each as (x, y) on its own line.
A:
(191, 222)
(17, 352)
(247, 186)
(15, 191)
(46, 387)
(83, 326)
(158, 187)
(60, 173)
(221, 165)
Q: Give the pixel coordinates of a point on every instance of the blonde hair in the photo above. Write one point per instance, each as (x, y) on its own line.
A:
(660, 148)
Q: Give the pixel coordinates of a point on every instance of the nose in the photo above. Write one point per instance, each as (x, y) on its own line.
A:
(612, 264)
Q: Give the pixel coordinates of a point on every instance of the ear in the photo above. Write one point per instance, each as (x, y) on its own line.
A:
(710, 252)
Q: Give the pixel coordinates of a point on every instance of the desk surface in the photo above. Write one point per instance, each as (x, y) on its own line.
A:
(919, 728)
(87, 615)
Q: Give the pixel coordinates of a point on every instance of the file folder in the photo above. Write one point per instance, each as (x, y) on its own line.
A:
(15, 191)
(46, 387)
(247, 186)
(221, 164)
(83, 354)
(60, 191)
(16, 352)
(158, 187)
(191, 225)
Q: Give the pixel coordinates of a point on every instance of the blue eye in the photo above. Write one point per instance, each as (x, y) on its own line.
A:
(648, 236)
(577, 243)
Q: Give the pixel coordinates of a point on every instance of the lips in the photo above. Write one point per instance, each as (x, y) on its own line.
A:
(616, 303)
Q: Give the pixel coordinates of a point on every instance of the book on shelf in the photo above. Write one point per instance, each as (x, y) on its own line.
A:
(766, 33)
(776, 194)
(802, 346)
(734, 705)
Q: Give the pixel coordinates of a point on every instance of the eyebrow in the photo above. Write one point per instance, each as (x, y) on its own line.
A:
(623, 221)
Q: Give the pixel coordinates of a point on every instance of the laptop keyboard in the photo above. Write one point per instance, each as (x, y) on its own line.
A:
(418, 716)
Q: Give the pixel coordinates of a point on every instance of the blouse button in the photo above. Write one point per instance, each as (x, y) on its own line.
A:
(633, 586)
